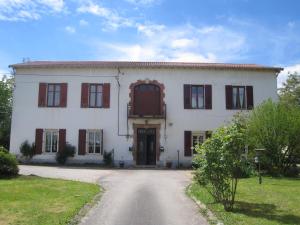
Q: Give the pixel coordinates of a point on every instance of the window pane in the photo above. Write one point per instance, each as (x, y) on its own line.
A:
(200, 97)
(99, 99)
(48, 142)
(50, 97)
(92, 99)
(91, 142)
(242, 96)
(99, 88)
(97, 141)
(54, 141)
(57, 98)
(50, 87)
(234, 97)
(194, 97)
(92, 88)
(57, 87)
(200, 139)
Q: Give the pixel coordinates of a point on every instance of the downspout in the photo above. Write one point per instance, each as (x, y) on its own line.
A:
(119, 86)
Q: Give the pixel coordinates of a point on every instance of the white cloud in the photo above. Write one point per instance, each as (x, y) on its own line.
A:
(83, 22)
(112, 19)
(23, 10)
(182, 43)
(284, 74)
(70, 29)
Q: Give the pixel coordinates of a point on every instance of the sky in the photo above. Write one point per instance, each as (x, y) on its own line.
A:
(264, 32)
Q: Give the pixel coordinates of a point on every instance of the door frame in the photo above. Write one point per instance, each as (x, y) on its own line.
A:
(157, 138)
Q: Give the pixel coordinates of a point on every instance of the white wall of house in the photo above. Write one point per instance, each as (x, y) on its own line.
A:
(27, 116)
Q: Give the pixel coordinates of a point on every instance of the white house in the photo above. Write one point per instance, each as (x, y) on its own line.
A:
(148, 113)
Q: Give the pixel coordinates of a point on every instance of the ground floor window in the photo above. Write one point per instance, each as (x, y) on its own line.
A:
(51, 140)
(198, 137)
(94, 141)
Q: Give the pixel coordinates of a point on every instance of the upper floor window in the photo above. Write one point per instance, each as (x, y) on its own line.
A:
(197, 96)
(95, 95)
(52, 95)
(239, 97)
(51, 140)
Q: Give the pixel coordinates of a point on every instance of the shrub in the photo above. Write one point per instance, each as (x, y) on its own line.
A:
(107, 158)
(276, 127)
(8, 164)
(27, 150)
(62, 156)
(293, 171)
(2, 149)
(220, 162)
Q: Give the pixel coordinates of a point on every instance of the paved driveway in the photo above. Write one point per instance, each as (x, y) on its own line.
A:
(133, 197)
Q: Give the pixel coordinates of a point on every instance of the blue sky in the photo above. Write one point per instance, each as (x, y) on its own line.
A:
(237, 31)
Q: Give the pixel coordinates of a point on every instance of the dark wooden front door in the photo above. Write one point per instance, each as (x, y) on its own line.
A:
(146, 100)
(146, 146)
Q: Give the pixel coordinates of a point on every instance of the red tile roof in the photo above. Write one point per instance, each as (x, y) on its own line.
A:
(134, 64)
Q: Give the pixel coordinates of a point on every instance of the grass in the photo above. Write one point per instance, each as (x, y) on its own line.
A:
(34, 200)
(276, 201)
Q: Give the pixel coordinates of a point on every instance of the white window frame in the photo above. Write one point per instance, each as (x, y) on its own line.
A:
(94, 145)
(198, 134)
(45, 141)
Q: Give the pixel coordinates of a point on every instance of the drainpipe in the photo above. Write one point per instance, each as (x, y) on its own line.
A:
(119, 86)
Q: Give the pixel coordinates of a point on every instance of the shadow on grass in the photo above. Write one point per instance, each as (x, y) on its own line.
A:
(266, 211)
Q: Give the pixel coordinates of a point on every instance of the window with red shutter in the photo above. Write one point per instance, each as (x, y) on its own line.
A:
(239, 97)
(197, 96)
(42, 101)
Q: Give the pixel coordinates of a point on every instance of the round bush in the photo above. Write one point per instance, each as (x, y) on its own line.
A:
(8, 165)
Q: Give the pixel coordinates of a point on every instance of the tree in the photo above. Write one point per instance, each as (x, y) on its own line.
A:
(220, 162)
(6, 91)
(290, 93)
(276, 128)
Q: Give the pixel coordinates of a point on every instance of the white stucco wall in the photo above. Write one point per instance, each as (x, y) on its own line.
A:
(27, 116)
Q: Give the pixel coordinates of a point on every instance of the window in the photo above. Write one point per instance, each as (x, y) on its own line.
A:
(238, 98)
(95, 95)
(94, 139)
(53, 95)
(197, 97)
(51, 140)
(197, 138)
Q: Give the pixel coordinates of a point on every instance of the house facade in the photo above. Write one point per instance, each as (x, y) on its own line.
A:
(146, 113)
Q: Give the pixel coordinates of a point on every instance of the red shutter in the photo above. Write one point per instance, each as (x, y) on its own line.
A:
(62, 139)
(187, 143)
(38, 141)
(249, 92)
(106, 95)
(42, 102)
(84, 95)
(63, 94)
(228, 93)
(187, 96)
(81, 142)
(208, 97)
(101, 141)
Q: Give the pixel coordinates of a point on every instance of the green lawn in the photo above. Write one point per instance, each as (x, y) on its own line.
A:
(34, 200)
(276, 201)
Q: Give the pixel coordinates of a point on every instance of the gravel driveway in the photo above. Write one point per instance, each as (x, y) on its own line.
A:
(133, 197)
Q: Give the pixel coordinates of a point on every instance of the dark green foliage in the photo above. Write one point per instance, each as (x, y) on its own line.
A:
(276, 128)
(6, 90)
(2, 149)
(107, 158)
(62, 155)
(290, 92)
(27, 150)
(8, 164)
